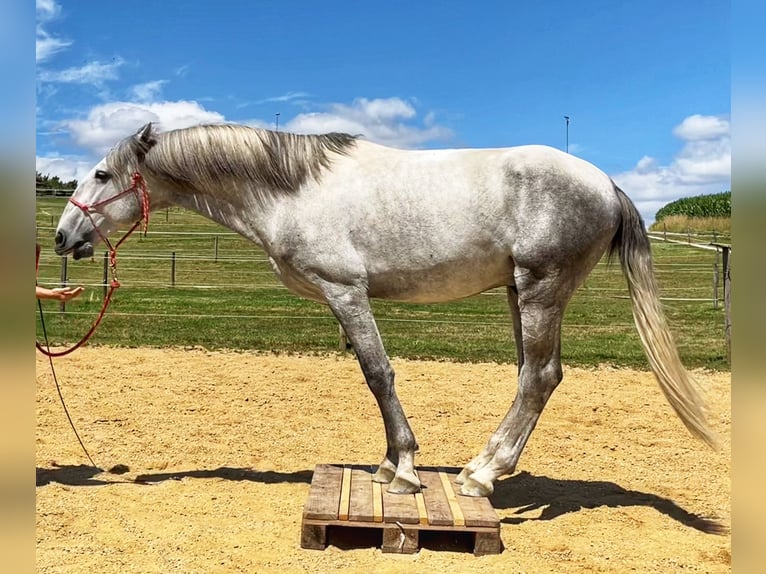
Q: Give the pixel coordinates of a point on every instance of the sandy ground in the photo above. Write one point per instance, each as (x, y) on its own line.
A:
(220, 447)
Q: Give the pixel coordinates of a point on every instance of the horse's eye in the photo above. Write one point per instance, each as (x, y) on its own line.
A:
(102, 176)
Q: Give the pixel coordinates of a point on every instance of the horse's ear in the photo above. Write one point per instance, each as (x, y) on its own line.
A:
(144, 140)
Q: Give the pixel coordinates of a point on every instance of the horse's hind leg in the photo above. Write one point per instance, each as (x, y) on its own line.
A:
(499, 435)
(352, 309)
(541, 305)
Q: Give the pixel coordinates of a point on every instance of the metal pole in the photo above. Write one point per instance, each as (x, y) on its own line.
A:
(567, 141)
(276, 118)
(64, 259)
(173, 269)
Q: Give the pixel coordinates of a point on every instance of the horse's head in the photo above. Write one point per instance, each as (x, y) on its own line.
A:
(109, 196)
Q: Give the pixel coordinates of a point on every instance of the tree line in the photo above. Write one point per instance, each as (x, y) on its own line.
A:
(49, 182)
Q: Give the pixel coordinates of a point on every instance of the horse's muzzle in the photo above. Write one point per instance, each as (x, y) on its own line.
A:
(80, 250)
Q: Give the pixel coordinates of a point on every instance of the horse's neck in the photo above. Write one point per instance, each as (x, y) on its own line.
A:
(242, 212)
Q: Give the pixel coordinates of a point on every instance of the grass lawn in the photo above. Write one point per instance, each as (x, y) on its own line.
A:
(223, 294)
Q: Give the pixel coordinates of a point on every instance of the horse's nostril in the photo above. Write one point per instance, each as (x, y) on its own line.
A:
(59, 239)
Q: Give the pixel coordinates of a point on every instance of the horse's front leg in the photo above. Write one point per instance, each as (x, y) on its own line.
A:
(352, 309)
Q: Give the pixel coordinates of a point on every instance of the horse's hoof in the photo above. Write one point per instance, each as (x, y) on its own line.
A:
(473, 487)
(463, 476)
(404, 485)
(384, 474)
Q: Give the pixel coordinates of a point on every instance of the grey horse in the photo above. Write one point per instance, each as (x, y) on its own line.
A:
(344, 220)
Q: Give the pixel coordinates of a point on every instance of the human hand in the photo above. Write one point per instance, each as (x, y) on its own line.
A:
(59, 293)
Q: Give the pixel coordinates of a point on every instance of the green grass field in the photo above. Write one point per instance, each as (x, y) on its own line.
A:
(224, 295)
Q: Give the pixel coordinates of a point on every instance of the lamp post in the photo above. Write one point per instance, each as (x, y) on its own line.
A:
(276, 120)
(567, 140)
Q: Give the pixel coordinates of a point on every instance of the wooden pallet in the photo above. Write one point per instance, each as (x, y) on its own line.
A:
(343, 499)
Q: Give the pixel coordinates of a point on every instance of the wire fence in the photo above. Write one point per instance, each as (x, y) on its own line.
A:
(189, 281)
(245, 269)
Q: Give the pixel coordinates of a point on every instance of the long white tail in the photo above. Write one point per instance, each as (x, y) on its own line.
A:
(632, 243)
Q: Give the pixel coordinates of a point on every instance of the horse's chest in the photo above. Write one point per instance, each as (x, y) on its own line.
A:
(295, 281)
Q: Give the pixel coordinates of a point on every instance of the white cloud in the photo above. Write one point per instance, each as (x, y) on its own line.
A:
(148, 91)
(383, 120)
(92, 73)
(47, 9)
(107, 124)
(46, 44)
(381, 109)
(289, 96)
(698, 127)
(390, 121)
(67, 168)
(702, 166)
(646, 165)
(293, 98)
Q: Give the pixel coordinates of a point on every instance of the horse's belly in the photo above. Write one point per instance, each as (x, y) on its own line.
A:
(439, 283)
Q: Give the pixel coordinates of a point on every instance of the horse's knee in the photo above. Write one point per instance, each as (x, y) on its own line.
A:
(380, 378)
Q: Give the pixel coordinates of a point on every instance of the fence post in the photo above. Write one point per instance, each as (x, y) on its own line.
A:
(216, 249)
(664, 231)
(64, 259)
(106, 271)
(715, 285)
(173, 269)
(727, 301)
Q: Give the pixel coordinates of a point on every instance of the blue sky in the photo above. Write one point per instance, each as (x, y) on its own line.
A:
(646, 84)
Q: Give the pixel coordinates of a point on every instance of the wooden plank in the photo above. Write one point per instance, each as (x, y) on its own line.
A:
(454, 505)
(400, 508)
(345, 493)
(324, 494)
(360, 506)
(437, 506)
(421, 504)
(377, 502)
(477, 510)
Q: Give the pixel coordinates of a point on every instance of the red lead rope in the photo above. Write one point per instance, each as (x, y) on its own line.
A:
(139, 188)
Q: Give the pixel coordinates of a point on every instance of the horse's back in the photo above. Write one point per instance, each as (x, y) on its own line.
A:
(442, 224)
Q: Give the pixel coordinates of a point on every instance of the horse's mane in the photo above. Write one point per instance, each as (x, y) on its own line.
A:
(202, 158)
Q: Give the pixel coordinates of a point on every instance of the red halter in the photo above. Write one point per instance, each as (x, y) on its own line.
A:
(139, 188)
